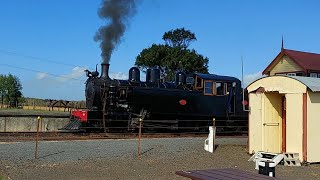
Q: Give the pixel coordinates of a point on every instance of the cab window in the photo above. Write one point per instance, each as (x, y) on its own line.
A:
(190, 80)
(198, 82)
(230, 86)
(220, 88)
(208, 88)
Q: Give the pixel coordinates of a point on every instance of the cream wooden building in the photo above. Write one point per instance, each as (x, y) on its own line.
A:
(294, 63)
(285, 116)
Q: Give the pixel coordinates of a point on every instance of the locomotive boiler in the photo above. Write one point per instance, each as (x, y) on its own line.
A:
(190, 102)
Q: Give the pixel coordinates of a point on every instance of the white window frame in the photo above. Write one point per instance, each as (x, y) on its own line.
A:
(313, 75)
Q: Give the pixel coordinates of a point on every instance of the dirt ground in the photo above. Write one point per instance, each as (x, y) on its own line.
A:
(159, 162)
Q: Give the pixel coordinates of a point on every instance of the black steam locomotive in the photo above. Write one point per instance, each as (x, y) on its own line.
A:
(191, 102)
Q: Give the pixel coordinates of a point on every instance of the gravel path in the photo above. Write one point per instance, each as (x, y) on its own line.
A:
(117, 159)
(62, 151)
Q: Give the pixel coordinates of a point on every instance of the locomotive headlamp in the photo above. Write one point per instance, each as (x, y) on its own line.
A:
(234, 84)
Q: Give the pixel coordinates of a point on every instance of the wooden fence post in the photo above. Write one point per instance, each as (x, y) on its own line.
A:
(139, 142)
(37, 138)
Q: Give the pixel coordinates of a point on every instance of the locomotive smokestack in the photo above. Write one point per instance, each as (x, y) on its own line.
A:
(105, 70)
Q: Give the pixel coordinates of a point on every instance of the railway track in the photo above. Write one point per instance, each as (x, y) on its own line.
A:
(70, 136)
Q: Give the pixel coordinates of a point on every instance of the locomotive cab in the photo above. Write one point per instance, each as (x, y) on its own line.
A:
(216, 85)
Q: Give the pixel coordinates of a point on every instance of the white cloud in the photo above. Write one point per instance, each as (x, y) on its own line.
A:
(41, 75)
(76, 73)
(125, 76)
(118, 75)
(69, 87)
(249, 78)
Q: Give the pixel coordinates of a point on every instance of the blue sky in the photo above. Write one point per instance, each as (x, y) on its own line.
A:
(62, 31)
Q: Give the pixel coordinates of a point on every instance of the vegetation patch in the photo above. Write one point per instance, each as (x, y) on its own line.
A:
(2, 177)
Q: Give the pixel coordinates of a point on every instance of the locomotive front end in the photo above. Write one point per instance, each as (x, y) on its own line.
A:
(95, 84)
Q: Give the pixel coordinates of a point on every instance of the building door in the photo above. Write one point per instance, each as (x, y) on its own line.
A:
(272, 122)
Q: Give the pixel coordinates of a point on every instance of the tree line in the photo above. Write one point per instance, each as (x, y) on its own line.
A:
(10, 90)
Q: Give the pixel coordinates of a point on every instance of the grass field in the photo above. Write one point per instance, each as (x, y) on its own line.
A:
(45, 108)
(31, 112)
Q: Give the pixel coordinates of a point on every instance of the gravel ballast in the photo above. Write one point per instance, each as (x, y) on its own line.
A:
(117, 159)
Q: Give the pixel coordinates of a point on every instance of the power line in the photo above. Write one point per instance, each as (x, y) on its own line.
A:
(12, 53)
(32, 70)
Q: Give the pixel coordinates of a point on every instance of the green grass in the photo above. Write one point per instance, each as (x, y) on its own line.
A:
(2, 177)
(30, 112)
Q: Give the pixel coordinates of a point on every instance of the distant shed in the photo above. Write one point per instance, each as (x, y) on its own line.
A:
(285, 116)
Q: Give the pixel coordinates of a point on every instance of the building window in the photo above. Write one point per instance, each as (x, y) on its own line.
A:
(291, 74)
(318, 75)
(313, 75)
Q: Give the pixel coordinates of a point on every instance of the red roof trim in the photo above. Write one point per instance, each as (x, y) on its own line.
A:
(293, 59)
(306, 60)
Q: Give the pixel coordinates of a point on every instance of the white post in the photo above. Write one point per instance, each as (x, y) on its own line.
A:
(209, 144)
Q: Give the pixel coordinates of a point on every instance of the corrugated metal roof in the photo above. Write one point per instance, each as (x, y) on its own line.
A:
(217, 77)
(312, 83)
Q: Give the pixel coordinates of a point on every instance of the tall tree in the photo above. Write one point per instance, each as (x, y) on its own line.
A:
(179, 38)
(173, 56)
(2, 88)
(154, 56)
(10, 89)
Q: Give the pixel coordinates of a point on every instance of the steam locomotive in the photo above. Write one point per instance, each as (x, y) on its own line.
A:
(191, 102)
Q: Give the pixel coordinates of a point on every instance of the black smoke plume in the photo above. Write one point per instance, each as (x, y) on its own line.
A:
(117, 13)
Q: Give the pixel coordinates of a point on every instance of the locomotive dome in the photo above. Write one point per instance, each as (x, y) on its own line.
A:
(180, 78)
(134, 74)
